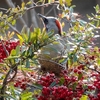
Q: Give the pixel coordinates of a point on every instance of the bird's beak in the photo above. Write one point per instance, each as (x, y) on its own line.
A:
(40, 15)
(43, 18)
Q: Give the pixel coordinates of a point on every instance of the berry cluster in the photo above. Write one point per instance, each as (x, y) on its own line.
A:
(47, 80)
(70, 86)
(95, 87)
(21, 83)
(6, 46)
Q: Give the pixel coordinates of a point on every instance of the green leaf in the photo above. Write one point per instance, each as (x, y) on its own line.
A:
(8, 97)
(27, 63)
(6, 27)
(97, 8)
(60, 1)
(28, 3)
(12, 57)
(21, 38)
(84, 97)
(37, 86)
(68, 2)
(49, 1)
(26, 95)
(80, 76)
(74, 58)
(23, 5)
(62, 80)
(13, 52)
(10, 18)
(98, 62)
(13, 22)
(52, 84)
(1, 13)
(74, 85)
(17, 50)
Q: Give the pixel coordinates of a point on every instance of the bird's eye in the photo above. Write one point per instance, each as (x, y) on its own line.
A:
(45, 21)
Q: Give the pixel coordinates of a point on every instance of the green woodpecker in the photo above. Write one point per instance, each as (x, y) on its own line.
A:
(54, 50)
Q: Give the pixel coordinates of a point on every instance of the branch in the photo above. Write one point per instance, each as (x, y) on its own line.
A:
(94, 70)
(7, 53)
(43, 5)
(5, 81)
(15, 30)
(3, 9)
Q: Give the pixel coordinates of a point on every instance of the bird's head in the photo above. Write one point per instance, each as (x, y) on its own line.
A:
(51, 24)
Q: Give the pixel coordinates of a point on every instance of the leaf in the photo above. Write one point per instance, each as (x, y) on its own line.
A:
(28, 3)
(10, 35)
(17, 50)
(26, 95)
(37, 86)
(10, 18)
(74, 58)
(13, 52)
(98, 62)
(13, 22)
(23, 5)
(60, 1)
(1, 13)
(97, 8)
(62, 80)
(74, 85)
(80, 76)
(12, 57)
(9, 97)
(52, 84)
(50, 1)
(21, 38)
(6, 27)
(27, 63)
(68, 2)
(84, 97)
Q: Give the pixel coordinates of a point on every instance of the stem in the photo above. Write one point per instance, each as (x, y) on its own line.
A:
(5, 81)
(7, 53)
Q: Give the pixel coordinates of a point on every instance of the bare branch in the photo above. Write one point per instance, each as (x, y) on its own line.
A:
(14, 29)
(7, 53)
(49, 11)
(43, 5)
(3, 9)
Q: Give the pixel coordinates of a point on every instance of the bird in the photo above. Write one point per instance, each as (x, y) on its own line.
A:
(53, 50)
(51, 24)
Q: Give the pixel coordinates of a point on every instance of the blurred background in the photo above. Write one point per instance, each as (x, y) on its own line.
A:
(83, 7)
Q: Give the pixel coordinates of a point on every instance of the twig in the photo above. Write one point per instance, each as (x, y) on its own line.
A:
(94, 70)
(7, 53)
(43, 5)
(49, 11)
(90, 68)
(3, 9)
(17, 32)
(5, 81)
